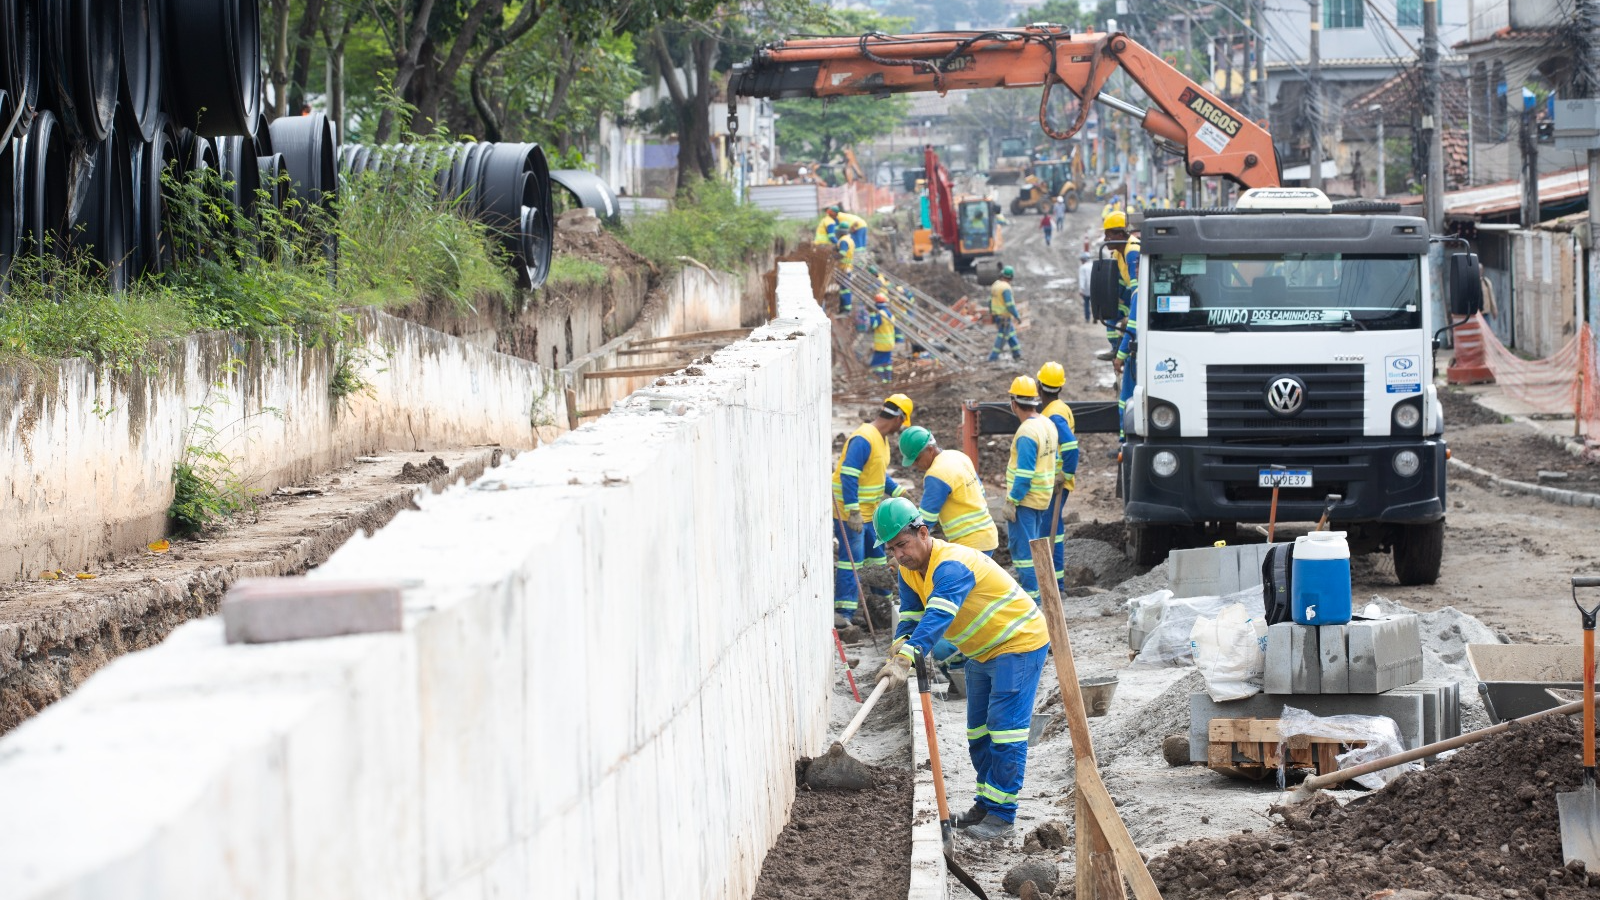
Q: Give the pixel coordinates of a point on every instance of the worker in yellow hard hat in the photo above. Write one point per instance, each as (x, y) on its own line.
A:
(1052, 378)
(1030, 480)
(860, 482)
(882, 324)
(1124, 248)
(1003, 309)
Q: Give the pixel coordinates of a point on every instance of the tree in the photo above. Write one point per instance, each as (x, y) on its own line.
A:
(820, 129)
(1056, 12)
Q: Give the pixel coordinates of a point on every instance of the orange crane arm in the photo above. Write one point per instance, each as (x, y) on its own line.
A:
(1213, 137)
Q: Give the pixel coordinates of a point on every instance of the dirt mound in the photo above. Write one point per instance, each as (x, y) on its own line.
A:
(844, 843)
(410, 473)
(1106, 532)
(601, 248)
(1461, 411)
(1482, 823)
(936, 279)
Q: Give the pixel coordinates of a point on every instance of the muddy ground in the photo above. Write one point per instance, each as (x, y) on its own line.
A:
(815, 859)
(1507, 561)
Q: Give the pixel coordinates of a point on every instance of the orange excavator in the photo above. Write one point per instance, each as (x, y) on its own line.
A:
(1214, 139)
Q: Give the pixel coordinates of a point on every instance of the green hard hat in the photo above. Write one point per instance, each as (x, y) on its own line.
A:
(1007, 272)
(893, 516)
(912, 442)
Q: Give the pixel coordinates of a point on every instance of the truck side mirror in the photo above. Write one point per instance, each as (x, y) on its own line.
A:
(1105, 289)
(1466, 285)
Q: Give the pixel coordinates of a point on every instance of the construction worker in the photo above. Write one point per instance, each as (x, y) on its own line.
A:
(847, 224)
(1052, 377)
(883, 336)
(860, 482)
(956, 594)
(1003, 307)
(1124, 364)
(952, 493)
(1030, 480)
(1085, 274)
(1125, 250)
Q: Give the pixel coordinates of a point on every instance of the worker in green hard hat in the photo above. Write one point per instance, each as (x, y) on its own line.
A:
(952, 493)
(1003, 308)
(954, 592)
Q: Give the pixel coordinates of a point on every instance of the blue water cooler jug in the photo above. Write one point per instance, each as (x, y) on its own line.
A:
(1321, 584)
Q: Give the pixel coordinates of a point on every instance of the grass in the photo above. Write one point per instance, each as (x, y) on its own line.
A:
(569, 270)
(705, 223)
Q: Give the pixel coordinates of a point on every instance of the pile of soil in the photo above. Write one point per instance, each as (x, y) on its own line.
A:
(1517, 452)
(1483, 823)
(411, 473)
(602, 248)
(934, 278)
(843, 843)
(1462, 411)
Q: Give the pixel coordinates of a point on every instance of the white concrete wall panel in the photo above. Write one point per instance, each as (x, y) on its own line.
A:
(615, 648)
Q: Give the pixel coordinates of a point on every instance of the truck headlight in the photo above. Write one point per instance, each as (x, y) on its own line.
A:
(1164, 463)
(1406, 463)
(1163, 416)
(1407, 415)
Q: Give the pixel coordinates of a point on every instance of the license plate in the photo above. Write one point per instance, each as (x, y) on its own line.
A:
(1289, 478)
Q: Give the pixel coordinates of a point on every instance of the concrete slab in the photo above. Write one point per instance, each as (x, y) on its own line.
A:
(1384, 653)
(1406, 709)
(927, 849)
(265, 610)
(1278, 677)
(1216, 571)
(1334, 665)
(1305, 661)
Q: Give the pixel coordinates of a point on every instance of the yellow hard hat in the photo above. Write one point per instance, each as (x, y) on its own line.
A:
(902, 403)
(1114, 219)
(1052, 376)
(1023, 386)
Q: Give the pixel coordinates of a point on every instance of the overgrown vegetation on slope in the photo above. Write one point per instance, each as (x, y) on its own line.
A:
(705, 223)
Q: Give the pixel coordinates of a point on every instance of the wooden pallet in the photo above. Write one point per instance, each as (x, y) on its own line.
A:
(1251, 747)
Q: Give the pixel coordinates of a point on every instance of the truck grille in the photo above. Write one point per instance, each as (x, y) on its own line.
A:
(1333, 404)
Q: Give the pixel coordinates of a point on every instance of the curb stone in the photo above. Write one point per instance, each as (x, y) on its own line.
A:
(1543, 492)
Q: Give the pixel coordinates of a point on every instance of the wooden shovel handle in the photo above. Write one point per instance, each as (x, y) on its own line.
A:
(861, 714)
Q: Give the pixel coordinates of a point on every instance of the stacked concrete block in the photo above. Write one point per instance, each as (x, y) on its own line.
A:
(1216, 571)
(1334, 663)
(1363, 657)
(1425, 711)
(1384, 653)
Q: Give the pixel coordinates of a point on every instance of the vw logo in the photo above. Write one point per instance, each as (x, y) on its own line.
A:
(1285, 396)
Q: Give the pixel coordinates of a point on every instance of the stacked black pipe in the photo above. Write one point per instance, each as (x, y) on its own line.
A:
(505, 186)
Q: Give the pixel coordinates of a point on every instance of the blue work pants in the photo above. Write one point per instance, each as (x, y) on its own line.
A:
(1000, 696)
(1130, 380)
(857, 546)
(1005, 337)
(1030, 523)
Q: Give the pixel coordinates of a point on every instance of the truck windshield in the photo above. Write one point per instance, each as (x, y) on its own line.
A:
(1284, 292)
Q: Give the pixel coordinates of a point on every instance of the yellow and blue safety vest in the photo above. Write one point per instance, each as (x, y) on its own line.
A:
(967, 599)
(861, 476)
(952, 495)
(1031, 471)
(1001, 301)
(1060, 415)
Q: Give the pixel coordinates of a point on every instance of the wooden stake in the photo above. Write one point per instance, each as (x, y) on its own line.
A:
(1091, 791)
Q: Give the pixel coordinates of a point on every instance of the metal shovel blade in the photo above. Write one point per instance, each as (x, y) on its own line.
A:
(1580, 824)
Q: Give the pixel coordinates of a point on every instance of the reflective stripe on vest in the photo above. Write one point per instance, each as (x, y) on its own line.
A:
(997, 297)
(995, 617)
(883, 333)
(869, 481)
(965, 515)
(1042, 479)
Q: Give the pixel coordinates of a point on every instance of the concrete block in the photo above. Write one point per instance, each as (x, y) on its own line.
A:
(1335, 667)
(1305, 662)
(1406, 709)
(1215, 571)
(1278, 677)
(1383, 653)
(265, 610)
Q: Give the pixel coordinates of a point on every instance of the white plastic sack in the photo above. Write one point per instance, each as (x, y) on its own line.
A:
(1144, 614)
(1168, 644)
(1380, 732)
(1230, 650)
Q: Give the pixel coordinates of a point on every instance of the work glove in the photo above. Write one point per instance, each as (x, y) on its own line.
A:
(855, 520)
(1061, 479)
(898, 643)
(897, 670)
(1008, 511)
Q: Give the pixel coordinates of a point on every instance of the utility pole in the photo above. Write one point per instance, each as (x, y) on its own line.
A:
(1590, 16)
(1432, 116)
(1383, 163)
(1314, 82)
(1261, 60)
(1530, 165)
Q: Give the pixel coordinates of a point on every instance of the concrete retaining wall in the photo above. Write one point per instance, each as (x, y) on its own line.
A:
(615, 648)
(89, 457)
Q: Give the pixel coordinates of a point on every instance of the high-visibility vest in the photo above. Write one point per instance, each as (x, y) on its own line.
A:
(1058, 408)
(964, 518)
(1042, 480)
(995, 617)
(883, 331)
(997, 297)
(869, 481)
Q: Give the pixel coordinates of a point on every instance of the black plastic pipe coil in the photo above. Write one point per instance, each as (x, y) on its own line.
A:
(82, 64)
(213, 66)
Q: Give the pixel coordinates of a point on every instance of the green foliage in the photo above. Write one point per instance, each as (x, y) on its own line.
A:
(207, 488)
(57, 309)
(1056, 12)
(570, 270)
(707, 224)
(819, 130)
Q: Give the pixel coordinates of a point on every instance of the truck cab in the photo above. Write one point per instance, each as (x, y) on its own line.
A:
(1281, 342)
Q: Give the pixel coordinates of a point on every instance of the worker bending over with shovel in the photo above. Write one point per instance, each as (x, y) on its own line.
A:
(955, 593)
(860, 482)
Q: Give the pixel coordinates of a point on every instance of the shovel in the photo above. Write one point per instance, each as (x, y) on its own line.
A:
(1580, 809)
(946, 830)
(838, 770)
(1333, 500)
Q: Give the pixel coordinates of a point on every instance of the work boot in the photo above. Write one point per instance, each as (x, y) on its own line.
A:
(840, 622)
(1016, 357)
(972, 816)
(991, 828)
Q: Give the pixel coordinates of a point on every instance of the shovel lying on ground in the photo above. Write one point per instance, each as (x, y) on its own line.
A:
(1306, 789)
(838, 770)
(946, 830)
(1580, 809)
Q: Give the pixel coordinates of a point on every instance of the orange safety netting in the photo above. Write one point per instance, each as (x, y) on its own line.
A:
(1564, 383)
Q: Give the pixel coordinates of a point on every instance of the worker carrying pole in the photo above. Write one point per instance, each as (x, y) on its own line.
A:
(1030, 480)
(1052, 378)
(955, 593)
(952, 493)
(1003, 308)
(860, 482)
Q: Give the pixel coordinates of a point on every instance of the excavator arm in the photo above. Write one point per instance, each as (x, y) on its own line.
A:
(1215, 139)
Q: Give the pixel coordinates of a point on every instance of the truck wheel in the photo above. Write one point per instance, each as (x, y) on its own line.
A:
(1072, 201)
(1418, 551)
(1148, 545)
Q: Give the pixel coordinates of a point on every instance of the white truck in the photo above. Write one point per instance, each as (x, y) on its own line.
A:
(1287, 341)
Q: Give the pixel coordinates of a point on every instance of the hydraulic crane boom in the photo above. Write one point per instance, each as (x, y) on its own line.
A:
(1213, 137)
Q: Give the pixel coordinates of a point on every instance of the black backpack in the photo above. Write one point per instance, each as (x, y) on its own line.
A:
(1277, 575)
